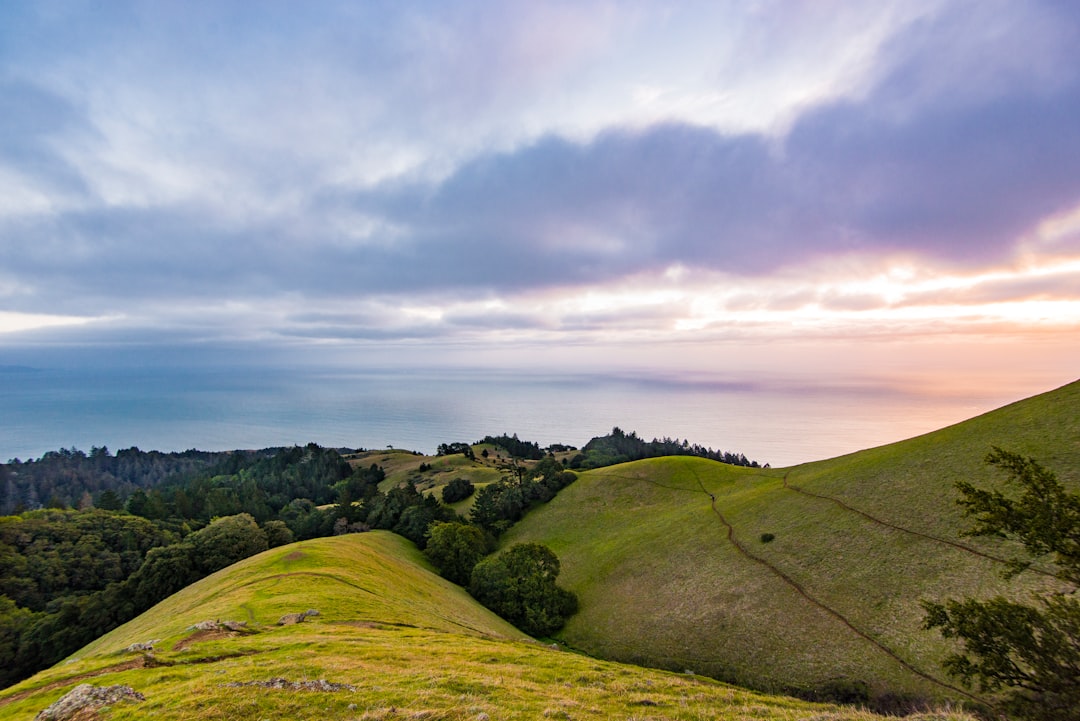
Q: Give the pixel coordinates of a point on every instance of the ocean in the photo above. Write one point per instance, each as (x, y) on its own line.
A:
(769, 420)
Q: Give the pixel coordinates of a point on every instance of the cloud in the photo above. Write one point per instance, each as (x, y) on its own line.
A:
(374, 172)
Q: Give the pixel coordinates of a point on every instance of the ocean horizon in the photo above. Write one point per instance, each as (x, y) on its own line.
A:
(769, 420)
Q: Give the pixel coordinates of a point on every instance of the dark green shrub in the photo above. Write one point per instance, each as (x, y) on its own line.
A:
(457, 490)
(519, 585)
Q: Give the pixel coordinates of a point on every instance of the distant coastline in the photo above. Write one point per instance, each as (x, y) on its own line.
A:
(178, 409)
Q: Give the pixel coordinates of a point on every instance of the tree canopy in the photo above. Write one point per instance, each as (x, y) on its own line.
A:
(1033, 651)
(519, 585)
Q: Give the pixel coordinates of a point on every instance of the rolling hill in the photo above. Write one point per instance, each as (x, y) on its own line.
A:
(806, 579)
(391, 640)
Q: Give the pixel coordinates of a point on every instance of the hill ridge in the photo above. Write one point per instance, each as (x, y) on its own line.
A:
(861, 539)
(341, 664)
(798, 588)
(731, 537)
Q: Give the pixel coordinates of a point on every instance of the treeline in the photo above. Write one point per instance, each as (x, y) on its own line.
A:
(517, 448)
(621, 447)
(70, 478)
(511, 444)
(257, 484)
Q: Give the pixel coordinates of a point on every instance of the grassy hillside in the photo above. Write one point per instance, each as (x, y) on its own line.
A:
(668, 557)
(392, 641)
(404, 466)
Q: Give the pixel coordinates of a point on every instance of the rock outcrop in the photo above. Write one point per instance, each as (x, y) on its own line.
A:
(84, 696)
(290, 618)
(287, 685)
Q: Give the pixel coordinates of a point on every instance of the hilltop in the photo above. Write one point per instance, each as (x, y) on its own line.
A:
(806, 579)
(391, 640)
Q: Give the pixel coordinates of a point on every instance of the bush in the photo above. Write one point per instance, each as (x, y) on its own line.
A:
(457, 490)
(277, 534)
(226, 541)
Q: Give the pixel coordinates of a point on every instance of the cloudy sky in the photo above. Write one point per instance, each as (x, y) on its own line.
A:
(668, 182)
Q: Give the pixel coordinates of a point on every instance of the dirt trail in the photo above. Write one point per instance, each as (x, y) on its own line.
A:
(798, 588)
(920, 534)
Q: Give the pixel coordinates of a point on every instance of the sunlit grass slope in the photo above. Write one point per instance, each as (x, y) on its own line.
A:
(403, 644)
(668, 557)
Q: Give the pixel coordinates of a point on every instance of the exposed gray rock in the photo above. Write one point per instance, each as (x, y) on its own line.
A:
(290, 618)
(286, 685)
(219, 626)
(86, 696)
(148, 646)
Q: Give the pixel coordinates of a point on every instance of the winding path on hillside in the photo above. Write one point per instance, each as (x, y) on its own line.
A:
(920, 534)
(806, 595)
(819, 604)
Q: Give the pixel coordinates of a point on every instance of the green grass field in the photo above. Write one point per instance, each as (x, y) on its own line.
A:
(668, 560)
(401, 642)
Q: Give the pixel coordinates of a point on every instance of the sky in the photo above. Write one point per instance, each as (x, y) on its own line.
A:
(691, 188)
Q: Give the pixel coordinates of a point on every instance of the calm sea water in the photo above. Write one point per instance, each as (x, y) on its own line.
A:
(776, 423)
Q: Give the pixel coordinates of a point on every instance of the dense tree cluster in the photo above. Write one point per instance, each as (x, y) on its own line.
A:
(258, 484)
(33, 639)
(455, 548)
(519, 585)
(501, 504)
(622, 447)
(48, 554)
(526, 450)
(457, 490)
(450, 449)
(1033, 651)
(407, 512)
(70, 478)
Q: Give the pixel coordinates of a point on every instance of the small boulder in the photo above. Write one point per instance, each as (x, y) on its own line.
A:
(290, 618)
(85, 696)
(219, 626)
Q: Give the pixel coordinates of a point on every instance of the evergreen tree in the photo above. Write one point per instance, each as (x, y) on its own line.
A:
(1031, 650)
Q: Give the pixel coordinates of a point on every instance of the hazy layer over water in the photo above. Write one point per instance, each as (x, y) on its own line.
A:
(769, 421)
